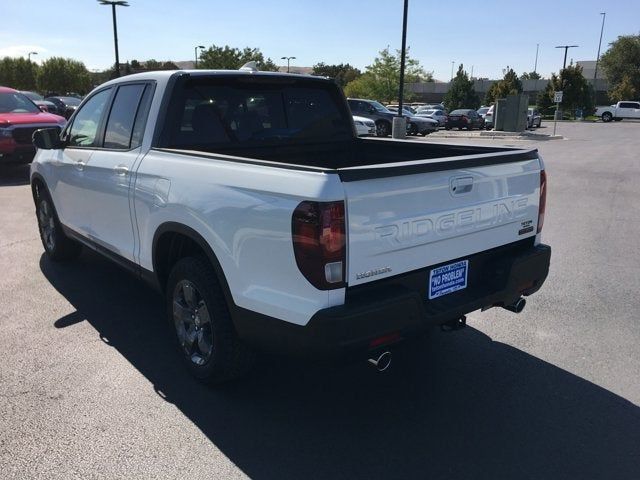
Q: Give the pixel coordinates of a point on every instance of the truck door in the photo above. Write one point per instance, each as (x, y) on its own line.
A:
(108, 173)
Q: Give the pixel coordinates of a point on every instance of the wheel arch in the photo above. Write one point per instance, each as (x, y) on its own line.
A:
(173, 241)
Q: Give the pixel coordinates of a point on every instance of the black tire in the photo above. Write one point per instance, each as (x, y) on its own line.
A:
(607, 117)
(383, 129)
(57, 245)
(413, 129)
(447, 128)
(228, 358)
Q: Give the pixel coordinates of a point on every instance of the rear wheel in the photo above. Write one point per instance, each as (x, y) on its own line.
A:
(198, 311)
(607, 117)
(57, 245)
(383, 129)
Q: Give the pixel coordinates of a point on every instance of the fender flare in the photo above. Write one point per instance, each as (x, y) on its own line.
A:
(179, 228)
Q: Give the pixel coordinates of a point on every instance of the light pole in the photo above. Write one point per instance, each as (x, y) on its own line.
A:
(535, 65)
(399, 125)
(29, 55)
(595, 74)
(566, 48)
(452, 62)
(288, 59)
(201, 47)
(564, 65)
(114, 4)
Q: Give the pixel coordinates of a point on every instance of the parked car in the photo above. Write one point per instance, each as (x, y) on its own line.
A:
(437, 115)
(534, 119)
(394, 108)
(482, 111)
(620, 110)
(464, 118)
(433, 106)
(417, 125)
(267, 225)
(44, 105)
(381, 115)
(67, 105)
(364, 126)
(19, 118)
(488, 118)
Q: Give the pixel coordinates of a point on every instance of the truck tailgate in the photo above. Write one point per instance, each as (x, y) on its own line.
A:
(401, 223)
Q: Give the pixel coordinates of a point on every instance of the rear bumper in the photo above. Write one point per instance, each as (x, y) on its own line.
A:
(399, 305)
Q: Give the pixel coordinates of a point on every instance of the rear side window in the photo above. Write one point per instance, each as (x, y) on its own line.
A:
(84, 130)
(122, 117)
(214, 112)
(629, 105)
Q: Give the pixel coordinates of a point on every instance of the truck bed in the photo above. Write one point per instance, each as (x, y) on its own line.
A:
(361, 159)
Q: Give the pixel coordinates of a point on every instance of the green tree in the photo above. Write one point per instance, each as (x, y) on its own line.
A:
(18, 73)
(63, 75)
(229, 58)
(545, 100)
(509, 85)
(624, 90)
(576, 91)
(530, 76)
(381, 80)
(461, 93)
(342, 73)
(621, 65)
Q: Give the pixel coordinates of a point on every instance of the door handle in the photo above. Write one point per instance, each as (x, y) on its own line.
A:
(121, 170)
(80, 165)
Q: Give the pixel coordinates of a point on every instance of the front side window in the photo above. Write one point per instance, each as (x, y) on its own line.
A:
(122, 116)
(84, 130)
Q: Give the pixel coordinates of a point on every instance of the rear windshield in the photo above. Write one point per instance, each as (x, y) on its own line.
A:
(459, 112)
(73, 101)
(216, 112)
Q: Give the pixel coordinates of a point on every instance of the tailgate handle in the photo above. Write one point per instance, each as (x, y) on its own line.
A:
(461, 185)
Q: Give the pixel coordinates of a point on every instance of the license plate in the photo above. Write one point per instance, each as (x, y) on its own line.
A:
(448, 279)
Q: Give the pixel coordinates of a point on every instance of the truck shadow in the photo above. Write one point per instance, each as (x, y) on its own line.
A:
(462, 407)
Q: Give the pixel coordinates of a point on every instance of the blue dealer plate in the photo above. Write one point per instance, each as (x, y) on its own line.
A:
(448, 279)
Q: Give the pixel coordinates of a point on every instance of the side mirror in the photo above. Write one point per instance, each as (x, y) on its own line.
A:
(47, 139)
(43, 108)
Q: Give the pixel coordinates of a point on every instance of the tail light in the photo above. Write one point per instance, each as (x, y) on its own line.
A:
(319, 243)
(543, 199)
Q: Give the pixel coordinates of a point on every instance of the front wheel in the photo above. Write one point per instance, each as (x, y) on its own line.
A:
(383, 129)
(198, 311)
(607, 117)
(57, 245)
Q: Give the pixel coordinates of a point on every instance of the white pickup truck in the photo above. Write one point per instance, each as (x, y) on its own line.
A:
(247, 199)
(619, 111)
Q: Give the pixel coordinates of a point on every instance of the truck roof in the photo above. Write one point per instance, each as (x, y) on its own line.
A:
(164, 75)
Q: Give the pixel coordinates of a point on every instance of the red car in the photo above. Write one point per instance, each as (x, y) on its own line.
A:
(19, 118)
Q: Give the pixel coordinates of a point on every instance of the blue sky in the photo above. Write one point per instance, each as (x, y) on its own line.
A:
(487, 35)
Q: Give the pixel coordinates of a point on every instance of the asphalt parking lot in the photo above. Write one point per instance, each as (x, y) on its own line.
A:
(90, 386)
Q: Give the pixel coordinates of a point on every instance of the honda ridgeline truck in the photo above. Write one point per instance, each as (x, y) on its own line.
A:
(247, 199)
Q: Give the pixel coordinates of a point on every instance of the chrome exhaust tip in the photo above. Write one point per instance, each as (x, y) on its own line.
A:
(382, 362)
(517, 306)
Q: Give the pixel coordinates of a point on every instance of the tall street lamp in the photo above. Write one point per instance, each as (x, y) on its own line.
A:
(114, 4)
(566, 48)
(399, 126)
(452, 62)
(595, 74)
(201, 47)
(29, 55)
(288, 59)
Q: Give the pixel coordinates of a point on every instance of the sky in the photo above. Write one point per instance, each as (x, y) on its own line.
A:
(484, 35)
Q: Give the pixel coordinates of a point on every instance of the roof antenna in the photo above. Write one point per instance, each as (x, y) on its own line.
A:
(251, 66)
